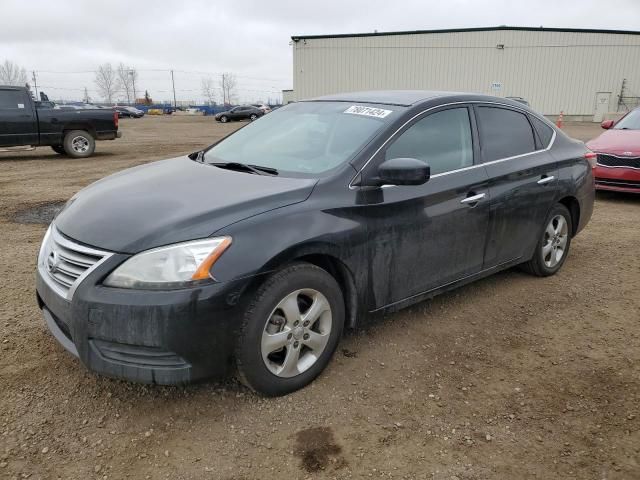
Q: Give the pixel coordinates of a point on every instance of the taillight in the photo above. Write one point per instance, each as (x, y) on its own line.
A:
(115, 118)
(592, 158)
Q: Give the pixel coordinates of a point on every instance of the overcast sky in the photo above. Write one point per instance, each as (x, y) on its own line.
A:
(199, 38)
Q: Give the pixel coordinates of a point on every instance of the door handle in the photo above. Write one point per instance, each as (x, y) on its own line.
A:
(473, 198)
(544, 180)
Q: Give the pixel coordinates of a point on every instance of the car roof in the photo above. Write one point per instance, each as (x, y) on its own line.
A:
(408, 98)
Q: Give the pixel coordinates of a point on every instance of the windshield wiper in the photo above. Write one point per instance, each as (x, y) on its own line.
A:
(257, 169)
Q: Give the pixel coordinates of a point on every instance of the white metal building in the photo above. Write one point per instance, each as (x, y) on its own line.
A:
(584, 73)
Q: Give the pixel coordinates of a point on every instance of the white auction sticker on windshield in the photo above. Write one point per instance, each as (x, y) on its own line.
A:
(367, 111)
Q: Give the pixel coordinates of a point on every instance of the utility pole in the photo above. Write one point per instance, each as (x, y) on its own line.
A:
(173, 84)
(224, 89)
(133, 81)
(35, 83)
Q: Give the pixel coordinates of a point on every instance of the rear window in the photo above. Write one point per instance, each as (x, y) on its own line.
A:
(504, 133)
(545, 132)
(12, 99)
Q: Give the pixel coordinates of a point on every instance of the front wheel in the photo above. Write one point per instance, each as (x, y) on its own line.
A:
(290, 330)
(79, 144)
(224, 119)
(553, 246)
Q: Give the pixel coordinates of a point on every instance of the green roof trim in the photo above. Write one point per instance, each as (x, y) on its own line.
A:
(296, 38)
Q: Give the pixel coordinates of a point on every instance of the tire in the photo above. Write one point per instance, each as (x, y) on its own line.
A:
(224, 119)
(253, 117)
(79, 144)
(58, 149)
(552, 248)
(270, 340)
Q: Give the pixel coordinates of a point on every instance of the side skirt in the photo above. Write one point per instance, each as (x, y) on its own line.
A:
(419, 297)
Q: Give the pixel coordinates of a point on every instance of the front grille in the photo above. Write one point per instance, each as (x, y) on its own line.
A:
(607, 182)
(615, 161)
(63, 263)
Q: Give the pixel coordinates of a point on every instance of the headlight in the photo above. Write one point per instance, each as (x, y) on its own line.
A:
(173, 266)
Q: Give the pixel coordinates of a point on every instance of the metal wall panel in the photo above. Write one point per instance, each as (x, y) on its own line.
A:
(554, 71)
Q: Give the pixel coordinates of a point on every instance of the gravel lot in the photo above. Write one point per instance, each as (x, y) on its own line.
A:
(511, 377)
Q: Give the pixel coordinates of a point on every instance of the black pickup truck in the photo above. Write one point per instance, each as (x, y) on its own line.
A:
(24, 122)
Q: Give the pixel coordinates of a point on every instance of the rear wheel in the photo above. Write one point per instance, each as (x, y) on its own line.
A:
(253, 117)
(553, 247)
(290, 330)
(58, 149)
(79, 144)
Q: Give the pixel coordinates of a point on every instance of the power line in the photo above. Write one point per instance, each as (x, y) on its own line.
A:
(195, 72)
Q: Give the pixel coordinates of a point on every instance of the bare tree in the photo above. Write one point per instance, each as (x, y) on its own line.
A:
(86, 98)
(228, 86)
(12, 74)
(125, 81)
(209, 90)
(107, 82)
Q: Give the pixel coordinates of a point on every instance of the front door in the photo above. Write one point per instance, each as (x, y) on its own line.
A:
(426, 236)
(602, 106)
(522, 181)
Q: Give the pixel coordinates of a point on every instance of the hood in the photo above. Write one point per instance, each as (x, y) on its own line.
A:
(172, 201)
(617, 142)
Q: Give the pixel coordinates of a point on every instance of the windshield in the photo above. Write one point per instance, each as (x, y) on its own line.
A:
(304, 138)
(630, 122)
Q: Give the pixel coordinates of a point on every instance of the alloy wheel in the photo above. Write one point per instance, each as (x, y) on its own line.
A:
(296, 333)
(80, 144)
(556, 236)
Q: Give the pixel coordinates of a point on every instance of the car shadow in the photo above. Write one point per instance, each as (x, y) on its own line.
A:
(622, 197)
(31, 156)
(376, 326)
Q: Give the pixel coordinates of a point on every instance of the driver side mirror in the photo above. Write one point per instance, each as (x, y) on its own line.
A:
(607, 124)
(403, 171)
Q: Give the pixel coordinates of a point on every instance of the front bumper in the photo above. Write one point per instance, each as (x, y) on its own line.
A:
(617, 179)
(163, 337)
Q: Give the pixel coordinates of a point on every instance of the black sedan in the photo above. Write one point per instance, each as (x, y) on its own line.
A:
(243, 112)
(130, 112)
(255, 254)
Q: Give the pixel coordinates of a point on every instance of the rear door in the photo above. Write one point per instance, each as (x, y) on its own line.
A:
(17, 119)
(522, 181)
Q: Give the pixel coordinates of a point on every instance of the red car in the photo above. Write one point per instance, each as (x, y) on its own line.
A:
(618, 149)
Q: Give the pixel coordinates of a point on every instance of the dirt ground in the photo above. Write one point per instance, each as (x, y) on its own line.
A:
(512, 377)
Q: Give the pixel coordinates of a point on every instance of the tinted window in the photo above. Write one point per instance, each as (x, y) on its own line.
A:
(545, 132)
(12, 99)
(443, 139)
(504, 133)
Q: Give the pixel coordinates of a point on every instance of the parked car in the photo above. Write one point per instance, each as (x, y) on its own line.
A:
(618, 150)
(243, 112)
(72, 131)
(263, 107)
(519, 100)
(261, 249)
(131, 112)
